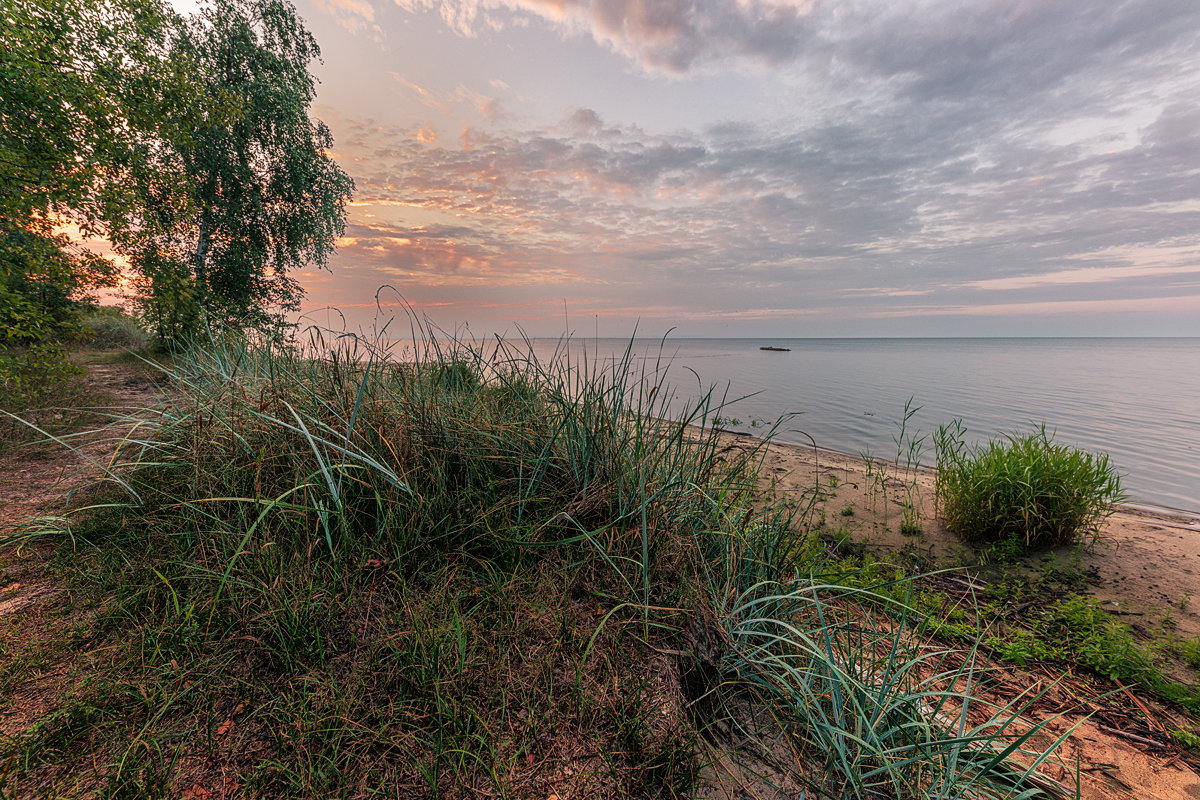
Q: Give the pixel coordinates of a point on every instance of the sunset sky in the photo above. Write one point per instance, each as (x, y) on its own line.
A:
(746, 168)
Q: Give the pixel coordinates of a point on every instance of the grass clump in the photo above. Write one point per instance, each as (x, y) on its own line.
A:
(473, 571)
(109, 328)
(1024, 487)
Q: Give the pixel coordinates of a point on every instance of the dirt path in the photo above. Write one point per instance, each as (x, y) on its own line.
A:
(41, 481)
(40, 478)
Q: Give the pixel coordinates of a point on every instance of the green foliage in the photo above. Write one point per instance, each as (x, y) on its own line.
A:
(1008, 550)
(254, 193)
(87, 95)
(1023, 487)
(45, 282)
(109, 328)
(1189, 651)
(1074, 629)
(45, 286)
(30, 375)
(185, 142)
(1097, 640)
(962, 632)
(82, 85)
(1020, 647)
(168, 303)
(1188, 737)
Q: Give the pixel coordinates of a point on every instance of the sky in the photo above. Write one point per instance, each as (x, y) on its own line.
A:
(766, 169)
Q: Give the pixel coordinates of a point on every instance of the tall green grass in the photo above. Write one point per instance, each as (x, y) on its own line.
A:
(457, 449)
(108, 328)
(429, 572)
(1024, 487)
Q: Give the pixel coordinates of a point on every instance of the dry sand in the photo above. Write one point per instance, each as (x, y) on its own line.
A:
(1145, 563)
(1142, 568)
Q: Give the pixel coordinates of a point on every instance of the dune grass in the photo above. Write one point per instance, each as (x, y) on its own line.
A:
(1024, 488)
(323, 571)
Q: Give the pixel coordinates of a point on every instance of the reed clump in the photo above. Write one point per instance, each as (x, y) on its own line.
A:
(1024, 488)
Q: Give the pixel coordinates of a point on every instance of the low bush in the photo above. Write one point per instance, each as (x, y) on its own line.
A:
(29, 375)
(1023, 487)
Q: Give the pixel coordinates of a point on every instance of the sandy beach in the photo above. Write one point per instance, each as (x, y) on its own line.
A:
(1144, 565)
(1142, 568)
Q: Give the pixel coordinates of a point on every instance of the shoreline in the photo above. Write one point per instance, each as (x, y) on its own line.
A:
(1167, 513)
(1136, 505)
(1144, 562)
(1133, 506)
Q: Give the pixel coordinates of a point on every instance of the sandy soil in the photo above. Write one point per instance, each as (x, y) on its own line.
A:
(40, 481)
(1145, 563)
(1143, 568)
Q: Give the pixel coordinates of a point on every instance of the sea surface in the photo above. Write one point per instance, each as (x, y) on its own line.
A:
(1136, 399)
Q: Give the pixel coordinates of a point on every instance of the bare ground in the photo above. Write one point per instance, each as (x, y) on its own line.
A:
(39, 482)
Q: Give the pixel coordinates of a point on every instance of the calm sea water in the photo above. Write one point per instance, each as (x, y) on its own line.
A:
(1136, 399)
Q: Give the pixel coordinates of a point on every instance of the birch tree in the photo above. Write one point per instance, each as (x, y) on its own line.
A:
(251, 192)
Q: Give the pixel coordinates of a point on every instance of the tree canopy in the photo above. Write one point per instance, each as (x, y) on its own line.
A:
(185, 141)
(81, 88)
(81, 92)
(261, 197)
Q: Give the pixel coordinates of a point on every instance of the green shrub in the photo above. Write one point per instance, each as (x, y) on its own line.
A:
(1022, 487)
(29, 375)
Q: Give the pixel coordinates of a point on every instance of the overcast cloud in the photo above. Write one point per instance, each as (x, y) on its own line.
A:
(793, 168)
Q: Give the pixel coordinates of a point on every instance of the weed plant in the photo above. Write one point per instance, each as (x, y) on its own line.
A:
(327, 569)
(909, 448)
(1024, 487)
(901, 472)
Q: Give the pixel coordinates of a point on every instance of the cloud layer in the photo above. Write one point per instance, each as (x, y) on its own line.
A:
(953, 157)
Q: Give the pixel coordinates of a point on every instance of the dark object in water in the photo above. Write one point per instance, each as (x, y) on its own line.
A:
(779, 349)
